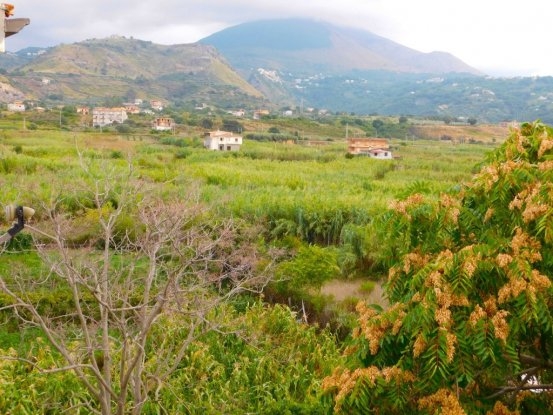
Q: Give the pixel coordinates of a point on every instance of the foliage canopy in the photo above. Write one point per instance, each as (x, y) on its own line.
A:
(470, 328)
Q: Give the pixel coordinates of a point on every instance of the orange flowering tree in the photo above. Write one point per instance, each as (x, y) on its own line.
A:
(469, 329)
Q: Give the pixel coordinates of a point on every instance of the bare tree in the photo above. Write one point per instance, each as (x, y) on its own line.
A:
(174, 261)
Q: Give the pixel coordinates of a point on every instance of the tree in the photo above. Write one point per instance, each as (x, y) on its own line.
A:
(113, 101)
(143, 261)
(206, 123)
(378, 125)
(232, 126)
(469, 328)
(131, 95)
(123, 128)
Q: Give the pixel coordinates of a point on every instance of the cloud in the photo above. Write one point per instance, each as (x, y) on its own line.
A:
(168, 21)
(508, 36)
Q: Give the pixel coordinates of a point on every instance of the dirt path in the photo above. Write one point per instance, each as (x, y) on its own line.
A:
(341, 290)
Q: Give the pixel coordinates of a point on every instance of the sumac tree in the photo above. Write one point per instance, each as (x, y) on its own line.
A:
(469, 329)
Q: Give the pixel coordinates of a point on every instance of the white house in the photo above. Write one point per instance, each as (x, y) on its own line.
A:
(106, 116)
(238, 113)
(17, 106)
(156, 105)
(379, 153)
(222, 141)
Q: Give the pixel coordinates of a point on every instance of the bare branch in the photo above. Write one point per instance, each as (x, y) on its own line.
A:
(172, 262)
(507, 389)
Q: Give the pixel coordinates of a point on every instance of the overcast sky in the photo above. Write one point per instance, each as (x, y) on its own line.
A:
(498, 37)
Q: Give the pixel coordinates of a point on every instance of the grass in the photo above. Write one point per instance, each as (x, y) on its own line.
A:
(261, 179)
(332, 180)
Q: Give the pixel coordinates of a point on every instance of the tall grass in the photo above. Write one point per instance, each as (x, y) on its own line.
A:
(294, 190)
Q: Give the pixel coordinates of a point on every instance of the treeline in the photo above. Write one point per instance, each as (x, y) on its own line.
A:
(277, 137)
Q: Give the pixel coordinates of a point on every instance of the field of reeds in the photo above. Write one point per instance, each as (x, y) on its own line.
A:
(315, 190)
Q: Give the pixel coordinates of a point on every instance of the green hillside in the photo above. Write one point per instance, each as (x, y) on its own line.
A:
(279, 64)
(96, 69)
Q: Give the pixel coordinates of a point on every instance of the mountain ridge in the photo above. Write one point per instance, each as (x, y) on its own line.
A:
(306, 46)
(287, 75)
(97, 69)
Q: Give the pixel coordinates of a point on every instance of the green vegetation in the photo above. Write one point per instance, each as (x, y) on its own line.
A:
(475, 98)
(469, 329)
(208, 269)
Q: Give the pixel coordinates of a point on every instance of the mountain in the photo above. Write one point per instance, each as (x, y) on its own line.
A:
(311, 64)
(308, 47)
(94, 70)
(298, 64)
(11, 60)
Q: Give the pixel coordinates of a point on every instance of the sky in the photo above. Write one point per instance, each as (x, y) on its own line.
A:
(497, 37)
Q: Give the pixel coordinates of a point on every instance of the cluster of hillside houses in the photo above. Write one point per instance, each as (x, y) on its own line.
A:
(377, 148)
(104, 116)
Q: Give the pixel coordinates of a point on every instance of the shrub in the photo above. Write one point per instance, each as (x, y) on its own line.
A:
(182, 154)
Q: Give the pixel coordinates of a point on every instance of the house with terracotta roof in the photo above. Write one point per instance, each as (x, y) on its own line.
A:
(377, 148)
(132, 108)
(156, 105)
(163, 124)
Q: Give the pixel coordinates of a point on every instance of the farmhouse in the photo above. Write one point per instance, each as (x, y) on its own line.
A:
(17, 106)
(377, 148)
(222, 141)
(238, 113)
(106, 116)
(257, 114)
(163, 124)
(156, 105)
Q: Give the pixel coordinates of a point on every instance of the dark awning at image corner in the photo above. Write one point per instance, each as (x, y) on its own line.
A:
(12, 26)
